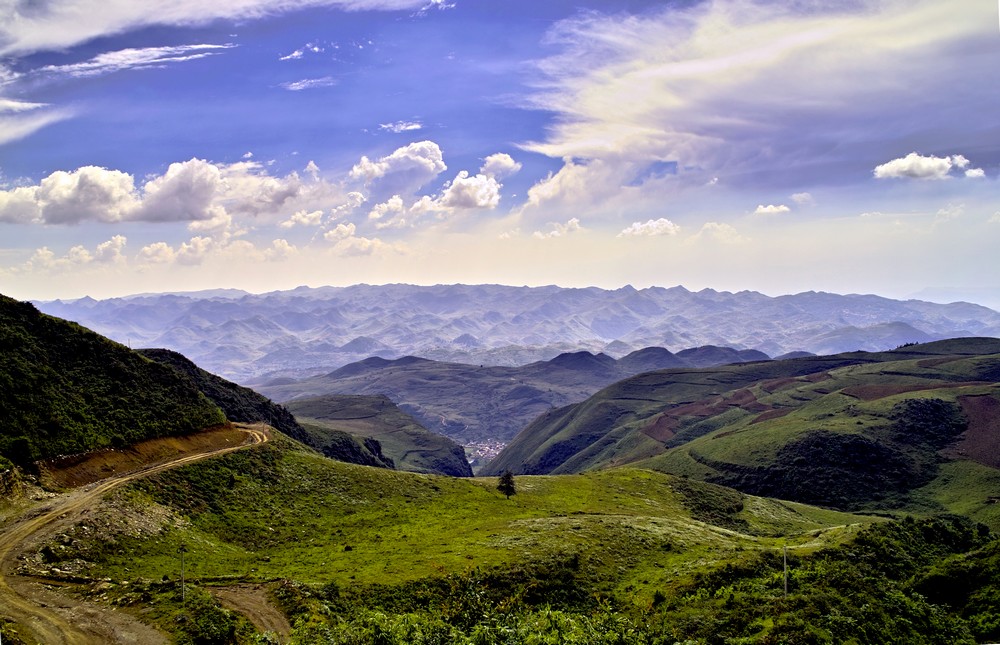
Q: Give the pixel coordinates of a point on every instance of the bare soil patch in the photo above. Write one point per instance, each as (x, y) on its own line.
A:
(981, 440)
(253, 602)
(79, 470)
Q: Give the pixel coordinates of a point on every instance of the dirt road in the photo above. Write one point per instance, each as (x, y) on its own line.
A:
(51, 619)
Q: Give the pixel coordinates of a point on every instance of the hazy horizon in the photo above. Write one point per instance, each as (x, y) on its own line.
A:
(725, 144)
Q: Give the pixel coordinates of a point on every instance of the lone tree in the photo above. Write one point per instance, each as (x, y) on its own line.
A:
(506, 484)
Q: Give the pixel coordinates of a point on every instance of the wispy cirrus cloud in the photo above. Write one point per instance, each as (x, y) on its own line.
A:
(401, 126)
(18, 119)
(58, 24)
(309, 83)
(134, 58)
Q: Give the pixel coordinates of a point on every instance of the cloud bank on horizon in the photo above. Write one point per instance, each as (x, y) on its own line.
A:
(725, 143)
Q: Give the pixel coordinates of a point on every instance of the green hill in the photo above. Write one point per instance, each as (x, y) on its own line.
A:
(404, 442)
(66, 390)
(855, 431)
(362, 555)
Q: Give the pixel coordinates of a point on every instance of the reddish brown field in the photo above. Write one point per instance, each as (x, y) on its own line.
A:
(873, 392)
(981, 441)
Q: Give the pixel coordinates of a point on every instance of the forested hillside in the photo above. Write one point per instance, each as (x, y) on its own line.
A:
(66, 390)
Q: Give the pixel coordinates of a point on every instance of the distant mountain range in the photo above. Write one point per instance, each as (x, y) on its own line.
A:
(306, 331)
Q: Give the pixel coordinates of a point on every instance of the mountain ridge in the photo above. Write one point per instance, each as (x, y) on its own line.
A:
(308, 330)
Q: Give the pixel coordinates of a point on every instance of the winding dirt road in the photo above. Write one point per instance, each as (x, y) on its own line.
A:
(52, 619)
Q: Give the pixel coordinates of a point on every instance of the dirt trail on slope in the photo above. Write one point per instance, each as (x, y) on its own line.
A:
(251, 601)
(50, 618)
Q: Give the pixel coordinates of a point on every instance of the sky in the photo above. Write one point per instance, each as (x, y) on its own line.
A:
(850, 146)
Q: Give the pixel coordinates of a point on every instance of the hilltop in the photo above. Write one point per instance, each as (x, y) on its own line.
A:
(308, 331)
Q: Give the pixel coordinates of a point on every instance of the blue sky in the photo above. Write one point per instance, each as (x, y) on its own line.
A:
(732, 144)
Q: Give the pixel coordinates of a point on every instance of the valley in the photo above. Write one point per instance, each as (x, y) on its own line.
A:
(658, 504)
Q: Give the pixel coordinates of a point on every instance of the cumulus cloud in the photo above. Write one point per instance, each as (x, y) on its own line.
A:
(340, 232)
(771, 209)
(500, 165)
(803, 199)
(975, 173)
(559, 230)
(405, 170)
(280, 249)
(206, 194)
(303, 218)
(389, 213)
(917, 166)
(157, 253)
(146, 57)
(720, 232)
(311, 48)
(106, 253)
(111, 251)
(465, 192)
(184, 193)
(651, 228)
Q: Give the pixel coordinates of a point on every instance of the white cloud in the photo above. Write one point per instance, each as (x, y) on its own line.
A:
(771, 209)
(803, 199)
(361, 246)
(248, 155)
(354, 199)
(60, 25)
(184, 193)
(975, 173)
(720, 232)
(208, 195)
(750, 91)
(401, 126)
(467, 192)
(195, 250)
(500, 165)
(111, 251)
(116, 61)
(280, 249)
(388, 210)
(917, 166)
(995, 219)
(309, 83)
(559, 230)
(19, 119)
(303, 218)
(157, 253)
(88, 193)
(651, 228)
(340, 232)
(403, 171)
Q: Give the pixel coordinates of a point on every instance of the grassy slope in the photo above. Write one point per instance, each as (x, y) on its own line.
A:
(408, 444)
(281, 512)
(67, 390)
(374, 555)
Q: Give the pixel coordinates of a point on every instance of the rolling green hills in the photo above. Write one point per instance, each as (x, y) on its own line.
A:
(353, 554)
(66, 390)
(489, 403)
(400, 439)
(853, 431)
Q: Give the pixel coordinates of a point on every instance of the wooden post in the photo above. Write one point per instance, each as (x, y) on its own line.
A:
(785, 550)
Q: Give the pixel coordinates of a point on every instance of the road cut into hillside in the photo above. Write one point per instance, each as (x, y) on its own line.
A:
(45, 616)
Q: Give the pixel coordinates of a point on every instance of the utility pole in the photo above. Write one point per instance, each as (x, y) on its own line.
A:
(785, 550)
(182, 550)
